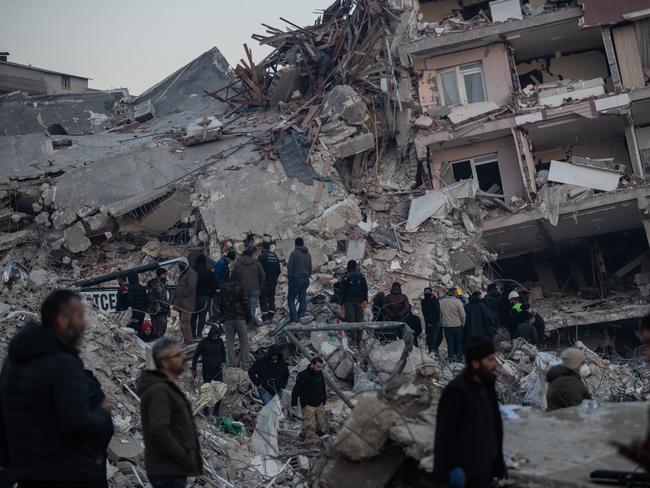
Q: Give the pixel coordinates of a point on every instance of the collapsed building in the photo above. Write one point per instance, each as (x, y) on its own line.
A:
(439, 143)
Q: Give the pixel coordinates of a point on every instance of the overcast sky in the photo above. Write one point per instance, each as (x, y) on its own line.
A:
(136, 43)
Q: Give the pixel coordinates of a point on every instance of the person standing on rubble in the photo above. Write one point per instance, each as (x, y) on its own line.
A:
(516, 307)
(272, 269)
(538, 323)
(138, 302)
(252, 278)
(431, 311)
(639, 449)
(565, 386)
(212, 354)
(310, 391)
(479, 320)
(493, 300)
(159, 305)
(205, 289)
(221, 274)
(171, 445)
(453, 321)
(396, 308)
(185, 299)
(299, 270)
(270, 374)
(526, 328)
(468, 449)
(353, 296)
(55, 422)
(235, 314)
(122, 302)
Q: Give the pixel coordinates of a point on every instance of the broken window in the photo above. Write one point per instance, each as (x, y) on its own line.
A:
(463, 84)
(484, 169)
(65, 82)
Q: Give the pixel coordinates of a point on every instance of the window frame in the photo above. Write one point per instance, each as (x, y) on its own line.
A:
(65, 82)
(478, 161)
(460, 71)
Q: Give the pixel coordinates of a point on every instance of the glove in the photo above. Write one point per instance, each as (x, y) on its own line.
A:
(457, 478)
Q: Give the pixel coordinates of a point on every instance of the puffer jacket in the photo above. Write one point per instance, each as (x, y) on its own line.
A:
(52, 426)
(171, 445)
(565, 388)
(234, 304)
(353, 288)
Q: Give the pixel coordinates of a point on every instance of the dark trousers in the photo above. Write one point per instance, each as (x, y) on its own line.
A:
(167, 481)
(297, 290)
(454, 338)
(434, 337)
(267, 301)
(354, 313)
(198, 318)
(137, 318)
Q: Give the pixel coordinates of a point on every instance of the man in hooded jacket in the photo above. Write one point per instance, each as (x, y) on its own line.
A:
(252, 277)
(479, 320)
(270, 374)
(299, 270)
(55, 424)
(212, 354)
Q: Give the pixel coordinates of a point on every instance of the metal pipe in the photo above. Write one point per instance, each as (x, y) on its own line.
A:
(343, 326)
(139, 269)
(328, 378)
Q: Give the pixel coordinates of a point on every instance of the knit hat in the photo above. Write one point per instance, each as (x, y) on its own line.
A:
(572, 358)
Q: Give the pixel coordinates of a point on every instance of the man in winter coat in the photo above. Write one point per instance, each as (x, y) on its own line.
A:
(298, 272)
(252, 278)
(171, 446)
(526, 328)
(396, 308)
(565, 387)
(235, 313)
(353, 296)
(271, 264)
(206, 287)
(159, 305)
(138, 301)
(270, 374)
(516, 307)
(453, 321)
(212, 354)
(185, 299)
(55, 424)
(493, 299)
(431, 311)
(468, 449)
(310, 391)
(479, 320)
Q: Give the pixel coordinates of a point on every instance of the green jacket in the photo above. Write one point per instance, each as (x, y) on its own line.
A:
(565, 388)
(171, 446)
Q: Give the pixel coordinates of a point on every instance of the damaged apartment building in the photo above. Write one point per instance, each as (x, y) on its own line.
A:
(546, 106)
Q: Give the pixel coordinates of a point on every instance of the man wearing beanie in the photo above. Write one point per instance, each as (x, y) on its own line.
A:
(566, 388)
(468, 450)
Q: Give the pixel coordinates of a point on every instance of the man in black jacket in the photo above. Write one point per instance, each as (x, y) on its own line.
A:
(212, 354)
(138, 302)
(206, 286)
(271, 264)
(353, 295)
(55, 422)
(468, 448)
(479, 320)
(270, 374)
(310, 391)
(431, 312)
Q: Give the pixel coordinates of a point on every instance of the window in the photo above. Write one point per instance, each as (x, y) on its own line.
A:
(65, 82)
(462, 85)
(484, 169)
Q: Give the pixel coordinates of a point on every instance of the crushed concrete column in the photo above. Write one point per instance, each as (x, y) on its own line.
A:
(633, 147)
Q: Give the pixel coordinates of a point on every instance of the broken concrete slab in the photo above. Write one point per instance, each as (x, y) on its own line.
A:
(438, 203)
(38, 278)
(584, 176)
(462, 113)
(125, 449)
(144, 111)
(63, 218)
(169, 212)
(202, 130)
(366, 430)
(12, 239)
(291, 149)
(414, 437)
(75, 238)
(354, 145)
(340, 472)
(559, 93)
(99, 224)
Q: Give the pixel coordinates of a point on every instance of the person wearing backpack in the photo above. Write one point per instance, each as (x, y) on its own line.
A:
(159, 307)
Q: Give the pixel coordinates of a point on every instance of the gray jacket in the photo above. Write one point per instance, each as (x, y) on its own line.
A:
(299, 263)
